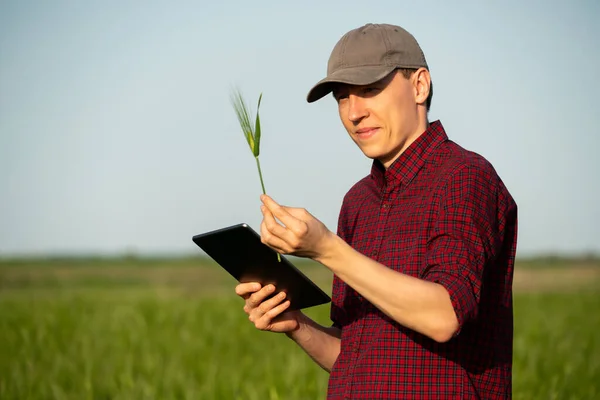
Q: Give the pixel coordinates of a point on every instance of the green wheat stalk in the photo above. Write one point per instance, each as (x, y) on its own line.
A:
(252, 133)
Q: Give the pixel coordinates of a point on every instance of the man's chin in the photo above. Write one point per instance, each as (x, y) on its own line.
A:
(372, 153)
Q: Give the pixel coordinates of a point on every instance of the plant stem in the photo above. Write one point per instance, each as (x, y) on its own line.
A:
(260, 174)
(264, 191)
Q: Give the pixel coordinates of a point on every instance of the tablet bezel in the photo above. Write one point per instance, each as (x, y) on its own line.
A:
(238, 250)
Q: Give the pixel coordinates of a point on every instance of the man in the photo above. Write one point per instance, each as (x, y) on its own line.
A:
(425, 246)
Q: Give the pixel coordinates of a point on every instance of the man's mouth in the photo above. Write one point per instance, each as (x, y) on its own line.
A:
(365, 133)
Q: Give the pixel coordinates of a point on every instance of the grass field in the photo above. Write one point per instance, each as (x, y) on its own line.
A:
(173, 329)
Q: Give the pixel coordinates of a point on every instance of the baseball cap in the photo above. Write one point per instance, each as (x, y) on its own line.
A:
(368, 54)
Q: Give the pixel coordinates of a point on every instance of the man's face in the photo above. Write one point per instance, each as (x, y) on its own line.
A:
(382, 118)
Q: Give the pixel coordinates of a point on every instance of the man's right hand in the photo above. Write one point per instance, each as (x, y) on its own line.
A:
(268, 315)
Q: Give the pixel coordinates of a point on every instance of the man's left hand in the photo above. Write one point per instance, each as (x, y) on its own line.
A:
(299, 233)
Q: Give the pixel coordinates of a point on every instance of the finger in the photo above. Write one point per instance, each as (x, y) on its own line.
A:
(246, 289)
(273, 234)
(268, 305)
(276, 237)
(258, 297)
(300, 213)
(258, 312)
(267, 321)
(278, 310)
(294, 224)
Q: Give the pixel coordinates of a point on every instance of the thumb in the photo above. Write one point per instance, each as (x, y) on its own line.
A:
(300, 213)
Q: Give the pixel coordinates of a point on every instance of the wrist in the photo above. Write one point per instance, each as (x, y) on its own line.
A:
(329, 249)
(302, 333)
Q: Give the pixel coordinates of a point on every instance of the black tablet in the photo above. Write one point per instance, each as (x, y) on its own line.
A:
(239, 250)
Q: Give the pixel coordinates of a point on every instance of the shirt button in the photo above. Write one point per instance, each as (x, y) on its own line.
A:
(385, 206)
(355, 347)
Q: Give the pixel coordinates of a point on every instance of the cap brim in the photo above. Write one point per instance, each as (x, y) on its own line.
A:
(351, 76)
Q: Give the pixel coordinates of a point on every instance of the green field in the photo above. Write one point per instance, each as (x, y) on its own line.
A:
(173, 329)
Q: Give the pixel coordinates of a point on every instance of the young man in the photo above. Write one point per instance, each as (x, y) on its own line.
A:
(424, 252)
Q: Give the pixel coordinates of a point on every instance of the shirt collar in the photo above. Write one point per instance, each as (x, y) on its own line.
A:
(406, 167)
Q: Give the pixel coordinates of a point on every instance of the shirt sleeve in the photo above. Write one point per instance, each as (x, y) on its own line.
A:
(463, 238)
(337, 313)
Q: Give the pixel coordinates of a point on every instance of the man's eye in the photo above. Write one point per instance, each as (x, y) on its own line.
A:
(370, 90)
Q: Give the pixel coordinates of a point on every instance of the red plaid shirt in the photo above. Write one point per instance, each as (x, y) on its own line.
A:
(439, 213)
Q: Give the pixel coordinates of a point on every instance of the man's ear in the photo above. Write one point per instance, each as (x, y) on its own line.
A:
(422, 85)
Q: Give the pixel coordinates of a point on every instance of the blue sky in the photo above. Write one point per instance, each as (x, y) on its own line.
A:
(117, 134)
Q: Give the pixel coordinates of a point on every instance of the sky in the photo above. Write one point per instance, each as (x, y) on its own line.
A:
(117, 134)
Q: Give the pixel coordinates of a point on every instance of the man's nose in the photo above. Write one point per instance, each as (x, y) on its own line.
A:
(356, 108)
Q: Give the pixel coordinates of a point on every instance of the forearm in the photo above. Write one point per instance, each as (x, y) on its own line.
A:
(415, 303)
(321, 343)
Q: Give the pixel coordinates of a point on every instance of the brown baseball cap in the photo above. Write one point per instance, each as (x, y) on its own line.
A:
(368, 54)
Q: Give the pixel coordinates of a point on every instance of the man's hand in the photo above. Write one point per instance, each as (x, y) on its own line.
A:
(320, 343)
(268, 315)
(301, 234)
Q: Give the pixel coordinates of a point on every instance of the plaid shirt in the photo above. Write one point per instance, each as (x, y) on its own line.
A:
(439, 213)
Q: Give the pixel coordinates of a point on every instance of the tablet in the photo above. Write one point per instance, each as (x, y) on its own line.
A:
(238, 249)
